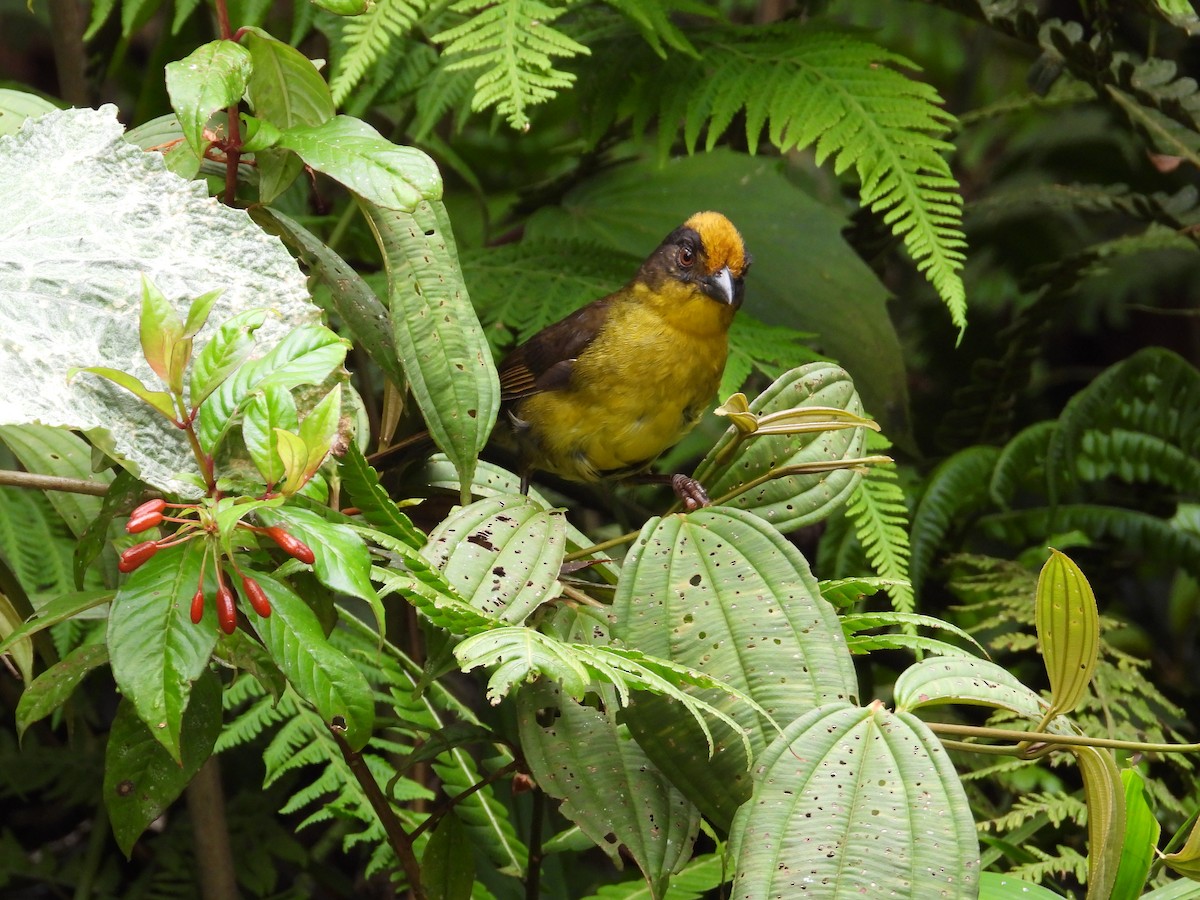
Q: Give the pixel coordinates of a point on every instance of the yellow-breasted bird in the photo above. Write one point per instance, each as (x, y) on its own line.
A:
(602, 393)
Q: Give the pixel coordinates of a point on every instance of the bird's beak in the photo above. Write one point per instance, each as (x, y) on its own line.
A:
(721, 287)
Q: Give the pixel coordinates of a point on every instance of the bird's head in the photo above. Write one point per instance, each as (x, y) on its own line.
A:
(706, 255)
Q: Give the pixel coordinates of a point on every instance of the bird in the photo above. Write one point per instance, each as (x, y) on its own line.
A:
(603, 392)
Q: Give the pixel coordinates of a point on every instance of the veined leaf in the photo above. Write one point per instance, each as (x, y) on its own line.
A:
(851, 799)
(502, 554)
(210, 78)
(361, 483)
(721, 591)
(1141, 839)
(1105, 795)
(1068, 628)
(790, 501)
(317, 671)
(608, 786)
(157, 653)
(54, 687)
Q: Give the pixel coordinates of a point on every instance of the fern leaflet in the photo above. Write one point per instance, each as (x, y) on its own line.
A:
(880, 519)
(368, 37)
(512, 41)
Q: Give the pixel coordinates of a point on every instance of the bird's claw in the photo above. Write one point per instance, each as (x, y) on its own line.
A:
(690, 492)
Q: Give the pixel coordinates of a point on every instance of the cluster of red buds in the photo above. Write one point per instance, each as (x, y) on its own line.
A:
(153, 512)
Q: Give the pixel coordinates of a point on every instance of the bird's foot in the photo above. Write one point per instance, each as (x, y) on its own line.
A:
(690, 492)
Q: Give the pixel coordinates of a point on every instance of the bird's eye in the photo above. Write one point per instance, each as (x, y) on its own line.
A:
(686, 256)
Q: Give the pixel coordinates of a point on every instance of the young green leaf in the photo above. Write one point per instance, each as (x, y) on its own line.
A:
(198, 312)
(269, 411)
(225, 351)
(159, 401)
(361, 483)
(212, 77)
(1105, 796)
(1068, 628)
(1141, 839)
(319, 430)
(161, 329)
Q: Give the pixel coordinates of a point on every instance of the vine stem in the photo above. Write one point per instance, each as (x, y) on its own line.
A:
(1060, 740)
(401, 840)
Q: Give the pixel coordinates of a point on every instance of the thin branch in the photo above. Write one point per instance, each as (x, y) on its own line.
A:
(52, 483)
(449, 803)
(400, 840)
(206, 806)
(67, 25)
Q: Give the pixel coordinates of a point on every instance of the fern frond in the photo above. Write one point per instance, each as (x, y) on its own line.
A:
(957, 484)
(34, 542)
(368, 36)
(1068, 861)
(845, 98)
(522, 288)
(1058, 808)
(880, 519)
(512, 41)
(1154, 392)
(653, 21)
(755, 346)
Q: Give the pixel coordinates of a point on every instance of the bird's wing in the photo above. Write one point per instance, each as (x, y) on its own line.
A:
(544, 362)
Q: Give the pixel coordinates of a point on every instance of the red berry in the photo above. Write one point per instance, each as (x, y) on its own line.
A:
(136, 555)
(146, 516)
(197, 606)
(292, 545)
(226, 609)
(256, 595)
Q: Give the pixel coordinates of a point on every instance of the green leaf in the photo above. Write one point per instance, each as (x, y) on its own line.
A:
(513, 42)
(997, 886)
(20, 650)
(844, 593)
(56, 451)
(319, 672)
(607, 785)
(54, 687)
(293, 456)
(59, 609)
(502, 554)
(342, 561)
(140, 779)
(199, 312)
(349, 150)
(308, 355)
(1141, 839)
(355, 303)
(1068, 628)
(269, 410)
(374, 503)
(224, 352)
(157, 653)
(319, 430)
(439, 339)
(212, 77)
(852, 799)
(1186, 860)
(1105, 795)
(790, 501)
(159, 401)
(17, 106)
(448, 864)
(161, 329)
(722, 592)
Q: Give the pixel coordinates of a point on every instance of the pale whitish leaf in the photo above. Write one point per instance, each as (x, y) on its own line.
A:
(503, 554)
(123, 215)
(793, 500)
(721, 591)
(577, 754)
(900, 792)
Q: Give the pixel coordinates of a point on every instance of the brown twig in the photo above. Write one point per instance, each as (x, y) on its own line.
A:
(400, 839)
(449, 803)
(206, 806)
(52, 483)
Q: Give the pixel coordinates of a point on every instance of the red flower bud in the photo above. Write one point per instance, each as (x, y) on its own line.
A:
(146, 516)
(256, 595)
(136, 555)
(197, 606)
(292, 545)
(226, 609)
